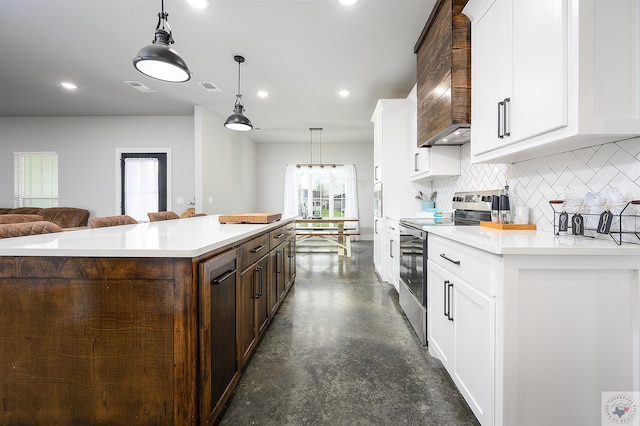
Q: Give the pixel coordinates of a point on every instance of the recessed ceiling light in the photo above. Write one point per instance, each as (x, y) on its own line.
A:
(68, 85)
(343, 93)
(199, 4)
(262, 93)
(347, 2)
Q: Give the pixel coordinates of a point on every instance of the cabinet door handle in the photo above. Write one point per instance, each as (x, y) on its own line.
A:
(391, 249)
(449, 313)
(375, 173)
(500, 109)
(258, 272)
(223, 277)
(257, 249)
(415, 162)
(444, 256)
(278, 261)
(505, 117)
(445, 311)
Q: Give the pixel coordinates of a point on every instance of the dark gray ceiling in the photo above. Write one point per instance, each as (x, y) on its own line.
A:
(301, 51)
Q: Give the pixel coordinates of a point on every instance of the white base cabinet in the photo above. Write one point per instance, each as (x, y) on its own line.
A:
(461, 326)
(534, 339)
(551, 76)
(378, 244)
(392, 252)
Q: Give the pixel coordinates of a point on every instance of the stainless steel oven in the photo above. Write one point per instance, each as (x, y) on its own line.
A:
(413, 273)
(471, 209)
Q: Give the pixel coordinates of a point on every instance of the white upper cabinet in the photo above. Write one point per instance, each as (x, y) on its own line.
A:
(426, 164)
(550, 76)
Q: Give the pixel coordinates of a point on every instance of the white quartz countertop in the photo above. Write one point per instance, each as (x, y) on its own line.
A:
(534, 242)
(189, 237)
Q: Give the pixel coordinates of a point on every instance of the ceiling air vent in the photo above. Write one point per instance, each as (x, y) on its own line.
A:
(139, 86)
(209, 86)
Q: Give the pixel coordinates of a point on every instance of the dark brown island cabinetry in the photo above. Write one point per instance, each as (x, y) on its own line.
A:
(131, 340)
(444, 76)
(220, 369)
(281, 265)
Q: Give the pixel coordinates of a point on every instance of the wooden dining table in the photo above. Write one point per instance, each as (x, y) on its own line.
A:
(331, 232)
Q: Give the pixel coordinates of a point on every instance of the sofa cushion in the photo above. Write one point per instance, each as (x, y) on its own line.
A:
(19, 218)
(25, 210)
(65, 217)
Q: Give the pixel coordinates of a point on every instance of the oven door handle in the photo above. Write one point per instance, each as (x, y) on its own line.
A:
(444, 256)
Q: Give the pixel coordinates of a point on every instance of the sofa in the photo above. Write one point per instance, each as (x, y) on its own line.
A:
(64, 217)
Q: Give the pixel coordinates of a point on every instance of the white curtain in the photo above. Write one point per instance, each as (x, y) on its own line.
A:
(140, 187)
(351, 194)
(290, 198)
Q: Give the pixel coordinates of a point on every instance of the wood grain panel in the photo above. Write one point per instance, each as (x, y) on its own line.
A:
(85, 267)
(86, 352)
(443, 71)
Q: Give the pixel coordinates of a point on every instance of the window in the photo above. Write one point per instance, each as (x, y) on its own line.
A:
(321, 192)
(35, 179)
(327, 192)
(144, 184)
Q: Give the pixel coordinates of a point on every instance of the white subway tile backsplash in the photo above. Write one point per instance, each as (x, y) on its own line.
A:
(535, 182)
(632, 146)
(602, 155)
(627, 164)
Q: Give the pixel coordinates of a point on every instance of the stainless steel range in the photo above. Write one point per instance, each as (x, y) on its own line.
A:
(470, 209)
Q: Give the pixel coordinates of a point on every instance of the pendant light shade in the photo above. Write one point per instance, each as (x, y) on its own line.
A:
(159, 60)
(238, 121)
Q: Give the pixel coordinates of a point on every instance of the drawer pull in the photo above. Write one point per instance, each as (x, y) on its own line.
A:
(222, 278)
(277, 237)
(444, 256)
(257, 249)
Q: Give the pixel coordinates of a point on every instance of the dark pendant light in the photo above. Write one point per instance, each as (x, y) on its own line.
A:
(237, 120)
(160, 61)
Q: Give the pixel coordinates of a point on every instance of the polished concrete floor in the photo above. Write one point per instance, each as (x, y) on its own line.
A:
(340, 352)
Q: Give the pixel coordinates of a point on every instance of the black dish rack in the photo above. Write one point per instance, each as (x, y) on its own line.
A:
(593, 225)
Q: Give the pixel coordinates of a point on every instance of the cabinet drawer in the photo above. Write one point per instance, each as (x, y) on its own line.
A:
(477, 267)
(280, 234)
(254, 250)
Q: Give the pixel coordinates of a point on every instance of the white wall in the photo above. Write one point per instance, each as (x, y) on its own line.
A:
(224, 166)
(272, 160)
(86, 149)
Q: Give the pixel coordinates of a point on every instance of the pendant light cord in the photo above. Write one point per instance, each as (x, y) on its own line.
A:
(320, 149)
(239, 78)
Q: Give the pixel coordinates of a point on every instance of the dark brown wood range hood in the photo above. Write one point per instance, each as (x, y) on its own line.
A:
(444, 76)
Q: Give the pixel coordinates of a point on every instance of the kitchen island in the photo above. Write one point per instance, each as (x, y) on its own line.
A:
(138, 324)
(535, 329)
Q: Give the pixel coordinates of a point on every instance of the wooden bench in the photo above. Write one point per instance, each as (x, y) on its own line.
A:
(330, 233)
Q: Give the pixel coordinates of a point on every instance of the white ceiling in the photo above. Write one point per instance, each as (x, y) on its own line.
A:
(301, 51)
